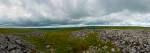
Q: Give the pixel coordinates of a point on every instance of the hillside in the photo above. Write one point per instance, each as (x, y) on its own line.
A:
(82, 39)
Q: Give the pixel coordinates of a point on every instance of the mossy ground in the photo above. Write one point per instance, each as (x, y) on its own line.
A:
(61, 42)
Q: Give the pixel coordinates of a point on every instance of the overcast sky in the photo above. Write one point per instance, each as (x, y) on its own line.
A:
(74, 12)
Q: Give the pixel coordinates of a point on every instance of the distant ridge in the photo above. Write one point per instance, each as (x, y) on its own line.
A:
(67, 26)
(89, 27)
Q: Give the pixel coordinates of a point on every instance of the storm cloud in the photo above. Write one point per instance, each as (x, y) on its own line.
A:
(74, 12)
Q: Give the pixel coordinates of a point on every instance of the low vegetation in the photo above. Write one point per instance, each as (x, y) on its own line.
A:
(60, 42)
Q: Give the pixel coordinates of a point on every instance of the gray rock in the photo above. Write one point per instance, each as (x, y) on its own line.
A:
(16, 51)
(132, 50)
(12, 44)
(129, 40)
(13, 47)
(32, 34)
(48, 47)
(20, 42)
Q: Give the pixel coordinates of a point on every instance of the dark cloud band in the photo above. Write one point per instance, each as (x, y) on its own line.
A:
(74, 12)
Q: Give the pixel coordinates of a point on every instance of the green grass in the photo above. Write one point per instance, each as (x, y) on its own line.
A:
(59, 39)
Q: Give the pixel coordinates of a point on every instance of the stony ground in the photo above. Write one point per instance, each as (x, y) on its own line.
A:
(81, 33)
(126, 40)
(12, 44)
(31, 34)
(129, 40)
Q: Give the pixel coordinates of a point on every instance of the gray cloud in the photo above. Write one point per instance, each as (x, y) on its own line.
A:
(74, 12)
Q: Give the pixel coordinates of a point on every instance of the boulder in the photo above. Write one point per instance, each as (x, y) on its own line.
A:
(12, 44)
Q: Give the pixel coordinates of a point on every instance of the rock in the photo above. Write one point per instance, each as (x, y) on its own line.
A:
(48, 47)
(19, 42)
(132, 50)
(93, 49)
(13, 47)
(32, 34)
(129, 40)
(16, 51)
(12, 44)
(81, 34)
(113, 50)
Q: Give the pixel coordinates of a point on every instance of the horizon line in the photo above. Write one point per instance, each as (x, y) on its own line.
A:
(68, 26)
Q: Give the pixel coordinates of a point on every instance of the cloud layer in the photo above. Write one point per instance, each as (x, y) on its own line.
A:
(74, 12)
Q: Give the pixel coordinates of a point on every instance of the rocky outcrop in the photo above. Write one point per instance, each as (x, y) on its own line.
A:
(81, 33)
(12, 44)
(129, 40)
(32, 34)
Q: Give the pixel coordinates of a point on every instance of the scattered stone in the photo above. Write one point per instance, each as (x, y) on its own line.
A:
(129, 40)
(113, 50)
(82, 33)
(93, 49)
(33, 34)
(48, 47)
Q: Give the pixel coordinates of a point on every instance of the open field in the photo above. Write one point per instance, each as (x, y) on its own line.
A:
(58, 40)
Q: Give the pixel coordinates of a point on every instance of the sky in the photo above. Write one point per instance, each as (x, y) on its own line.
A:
(28, 13)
